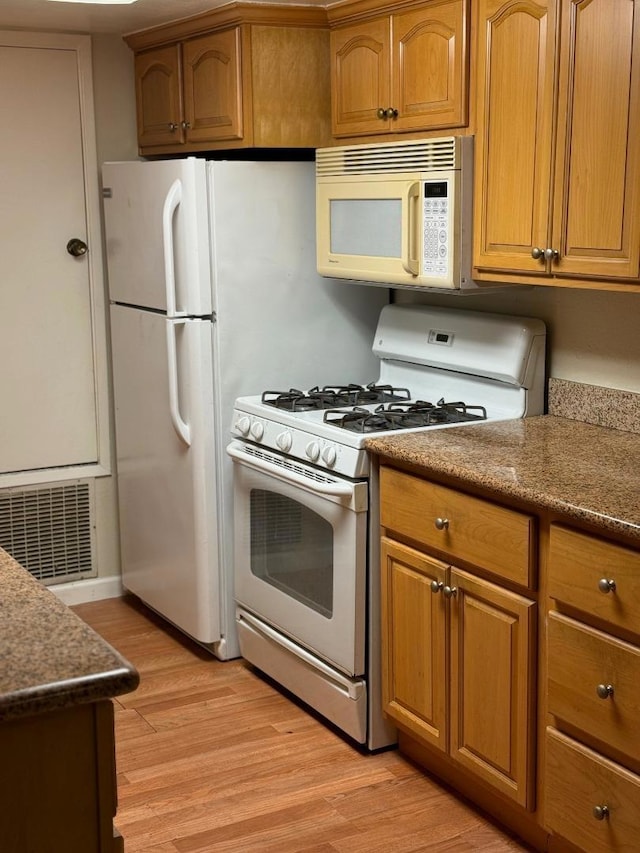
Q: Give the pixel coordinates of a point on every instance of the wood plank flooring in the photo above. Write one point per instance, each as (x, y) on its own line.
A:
(212, 757)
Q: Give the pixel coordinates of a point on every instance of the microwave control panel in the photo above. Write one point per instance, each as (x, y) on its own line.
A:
(438, 237)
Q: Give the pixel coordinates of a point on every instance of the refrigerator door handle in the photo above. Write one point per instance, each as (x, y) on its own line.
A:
(171, 202)
(182, 428)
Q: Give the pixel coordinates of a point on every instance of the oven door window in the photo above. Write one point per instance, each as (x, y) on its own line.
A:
(292, 549)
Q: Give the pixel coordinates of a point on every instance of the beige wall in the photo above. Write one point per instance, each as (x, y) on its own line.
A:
(594, 337)
(114, 98)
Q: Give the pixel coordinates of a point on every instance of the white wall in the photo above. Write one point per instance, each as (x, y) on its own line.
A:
(594, 337)
(114, 104)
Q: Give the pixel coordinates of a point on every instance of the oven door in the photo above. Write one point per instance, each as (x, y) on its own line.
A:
(300, 542)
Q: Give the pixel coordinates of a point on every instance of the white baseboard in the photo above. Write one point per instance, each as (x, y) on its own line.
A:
(80, 592)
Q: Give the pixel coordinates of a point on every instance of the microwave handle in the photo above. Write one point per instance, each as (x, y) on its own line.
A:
(409, 262)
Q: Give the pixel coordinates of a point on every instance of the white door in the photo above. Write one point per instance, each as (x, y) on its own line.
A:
(50, 332)
(166, 467)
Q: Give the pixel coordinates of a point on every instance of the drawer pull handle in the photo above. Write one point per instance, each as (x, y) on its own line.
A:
(604, 691)
(436, 586)
(601, 812)
(450, 591)
(442, 523)
(606, 585)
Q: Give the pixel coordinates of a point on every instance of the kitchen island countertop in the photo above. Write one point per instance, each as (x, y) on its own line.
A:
(586, 472)
(49, 658)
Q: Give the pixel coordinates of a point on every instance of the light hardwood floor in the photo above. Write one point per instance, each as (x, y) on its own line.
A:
(212, 757)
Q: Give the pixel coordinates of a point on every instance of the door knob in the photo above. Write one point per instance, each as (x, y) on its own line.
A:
(77, 247)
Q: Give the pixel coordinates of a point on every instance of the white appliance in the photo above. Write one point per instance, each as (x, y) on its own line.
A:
(306, 504)
(397, 212)
(213, 292)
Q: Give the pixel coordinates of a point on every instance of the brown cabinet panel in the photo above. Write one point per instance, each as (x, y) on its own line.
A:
(430, 67)
(578, 781)
(360, 77)
(463, 527)
(581, 569)
(213, 86)
(414, 652)
(597, 187)
(594, 683)
(513, 142)
(159, 96)
(492, 684)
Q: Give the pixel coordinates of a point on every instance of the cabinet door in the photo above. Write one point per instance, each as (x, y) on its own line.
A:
(492, 684)
(413, 642)
(159, 96)
(360, 78)
(430, 67)
(213, 97)
(597, 187)
(516, 49)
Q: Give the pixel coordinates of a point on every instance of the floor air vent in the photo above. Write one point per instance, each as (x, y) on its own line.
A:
(49, 530)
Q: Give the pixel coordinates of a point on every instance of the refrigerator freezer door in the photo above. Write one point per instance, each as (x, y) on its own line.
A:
(157, 235)
(166, 478)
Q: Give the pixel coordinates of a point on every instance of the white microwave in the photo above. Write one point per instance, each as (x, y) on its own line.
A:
(397, 213)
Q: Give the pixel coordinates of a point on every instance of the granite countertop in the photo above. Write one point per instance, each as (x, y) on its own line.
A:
(587, 472)
(49, 658)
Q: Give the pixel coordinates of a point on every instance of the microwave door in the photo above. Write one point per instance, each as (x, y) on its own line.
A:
(369, 229)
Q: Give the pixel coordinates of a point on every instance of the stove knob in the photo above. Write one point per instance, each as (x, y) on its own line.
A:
(243, 425)
(284, 441)
(329, 456)
(257, 430)
(313, 451)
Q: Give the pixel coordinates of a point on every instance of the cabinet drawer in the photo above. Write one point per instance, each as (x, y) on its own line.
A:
(580, 567)
(581, 660)
(458, 525)
(579, 780)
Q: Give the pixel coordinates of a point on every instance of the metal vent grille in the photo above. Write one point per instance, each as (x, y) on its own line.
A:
(49, 530)
(417, 156)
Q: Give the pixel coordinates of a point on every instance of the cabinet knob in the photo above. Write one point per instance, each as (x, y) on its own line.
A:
(381, 112)
(173, 126)
(606, 585)
(604, 690)
(551, 254)
(450, 591)
(391, 112)
(185, 125)
(442, 523)
(537, 253)
(601, 812)
(436, 586)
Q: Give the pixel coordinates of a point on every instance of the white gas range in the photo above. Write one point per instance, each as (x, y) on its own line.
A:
(306, 555)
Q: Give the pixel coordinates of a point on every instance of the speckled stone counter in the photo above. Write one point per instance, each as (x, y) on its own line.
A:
(49, 658)
(586, 472)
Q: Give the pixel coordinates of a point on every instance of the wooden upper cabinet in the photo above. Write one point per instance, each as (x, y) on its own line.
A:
(596, 217)
(401, 72)
(213, 86)
(242, 75)
(158, 78)
(560, 206)
(360, 77)
(513, 141)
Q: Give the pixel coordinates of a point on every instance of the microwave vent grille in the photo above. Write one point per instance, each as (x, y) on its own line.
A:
(423, 155)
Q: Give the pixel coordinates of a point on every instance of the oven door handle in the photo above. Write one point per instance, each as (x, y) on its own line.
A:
(332, 489)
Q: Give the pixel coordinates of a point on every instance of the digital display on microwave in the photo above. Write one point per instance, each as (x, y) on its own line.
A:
(435, 189)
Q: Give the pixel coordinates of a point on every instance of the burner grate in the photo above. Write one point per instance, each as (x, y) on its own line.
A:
(398, 416)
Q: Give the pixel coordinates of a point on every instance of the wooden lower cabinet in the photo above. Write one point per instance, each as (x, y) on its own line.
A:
(591, 801)
(458, 658)
(58, 782)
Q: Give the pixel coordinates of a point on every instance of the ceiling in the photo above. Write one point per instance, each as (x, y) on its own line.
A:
(84, 18)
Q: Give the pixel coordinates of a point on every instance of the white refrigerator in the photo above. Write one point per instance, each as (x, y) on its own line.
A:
(213, 294)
